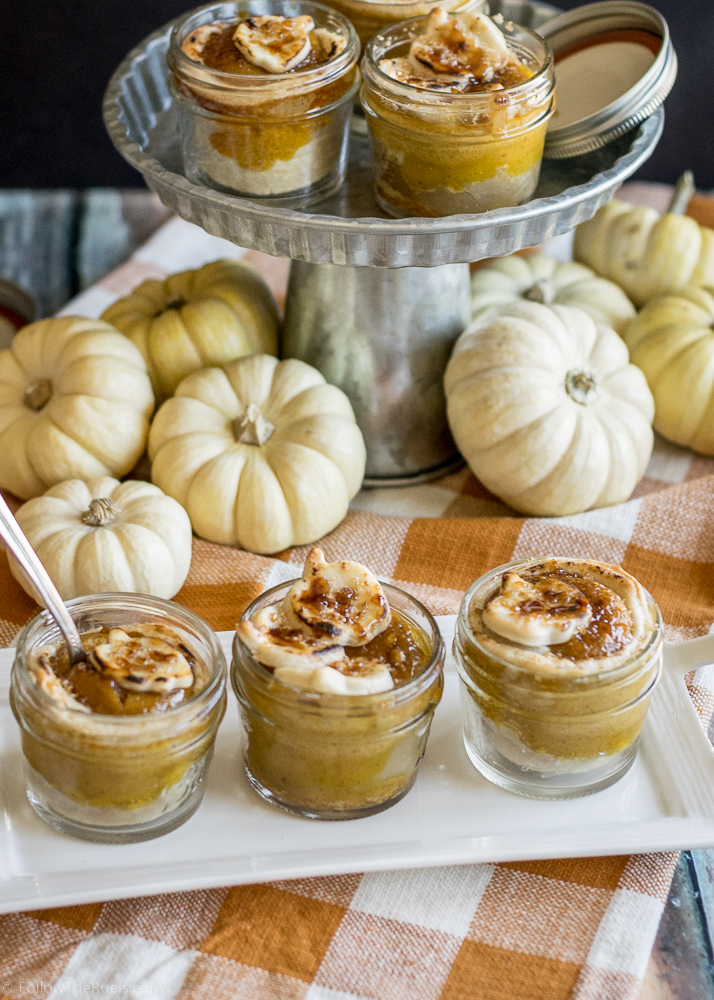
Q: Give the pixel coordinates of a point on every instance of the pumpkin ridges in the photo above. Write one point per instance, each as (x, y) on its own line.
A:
(59, 550)
(290, 379)
(503, 466)
(203, 323)
(251, 380)
(703, 273)
(657, 352)
(100, 564)
(168, 335)
(244, 318)
(491, 424)
(579, 476)
(16, 471)
(102, 428)
(263, 522)
(332, 436)
(313, 487)
(671, 255)
(143, 550)
(55, 455)
(683, 388)
(178, 460)
(316, 400)
(220, 477)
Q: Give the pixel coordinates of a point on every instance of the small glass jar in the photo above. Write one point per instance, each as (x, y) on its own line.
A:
(329, 756)
(548, 735)
(117, 778)
(439, 153)
(280, 139)
(371, 16)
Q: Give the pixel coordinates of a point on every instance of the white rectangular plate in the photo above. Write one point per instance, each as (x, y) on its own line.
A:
(451, 816)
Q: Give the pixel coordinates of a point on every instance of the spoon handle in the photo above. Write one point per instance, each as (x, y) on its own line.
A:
(16, 541)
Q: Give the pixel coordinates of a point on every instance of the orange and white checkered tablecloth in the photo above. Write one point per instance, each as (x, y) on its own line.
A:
(547, 930)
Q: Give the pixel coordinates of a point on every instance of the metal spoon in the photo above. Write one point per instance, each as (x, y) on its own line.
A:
(14, 537)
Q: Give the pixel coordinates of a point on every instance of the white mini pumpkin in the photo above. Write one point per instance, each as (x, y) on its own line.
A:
(546, 409)
(194, 319)
(262, 453)
(103, 536)
(539, 278)
(75, 402)
(672, 341)
(645, 253)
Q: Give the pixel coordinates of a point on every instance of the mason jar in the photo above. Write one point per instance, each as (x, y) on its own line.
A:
(371, 16)
(117, 778)
(276, 138)
(331, 756)
(438, 153)
(551, 735)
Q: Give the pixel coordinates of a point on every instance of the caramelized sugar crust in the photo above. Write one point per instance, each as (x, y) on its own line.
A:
(609, 629)
(102, 694)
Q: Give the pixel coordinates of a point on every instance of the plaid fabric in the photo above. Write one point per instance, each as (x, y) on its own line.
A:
(546, 930)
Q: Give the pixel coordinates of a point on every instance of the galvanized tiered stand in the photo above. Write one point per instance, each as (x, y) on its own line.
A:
(374, 303)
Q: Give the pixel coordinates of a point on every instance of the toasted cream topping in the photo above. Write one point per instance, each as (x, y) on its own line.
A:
(275, 43)
(304, 637)
(142, 663)
(194, 43)
(45, 678)
(537, 621)
(454, 51)
(342, 599)
(542, 612)
(356, 675)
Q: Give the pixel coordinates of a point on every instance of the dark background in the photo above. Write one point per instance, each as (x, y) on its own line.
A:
(56, 60)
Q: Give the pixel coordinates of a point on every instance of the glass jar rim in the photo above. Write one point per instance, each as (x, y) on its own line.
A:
(409, 25)
(43, 622)
(340, 702)
(606, 676)
(219, 80)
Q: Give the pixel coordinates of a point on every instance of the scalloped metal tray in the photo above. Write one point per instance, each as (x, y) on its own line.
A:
(350, 228)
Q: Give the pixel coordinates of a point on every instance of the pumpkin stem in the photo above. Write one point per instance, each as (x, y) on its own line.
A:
(581, 386)
(100, 513)
(542, 291)
(38, 393)
(682, 194)
(252, 427)
(175, 302)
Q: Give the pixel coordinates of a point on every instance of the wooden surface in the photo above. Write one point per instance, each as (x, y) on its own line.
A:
(56, 243)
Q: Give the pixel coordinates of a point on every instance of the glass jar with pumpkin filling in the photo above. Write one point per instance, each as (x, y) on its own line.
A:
(558, 659)
(116, 747)
(264, 91)
(337, 677)
(457, 107)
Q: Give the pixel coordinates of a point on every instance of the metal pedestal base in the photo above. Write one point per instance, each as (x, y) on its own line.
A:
(384, 336)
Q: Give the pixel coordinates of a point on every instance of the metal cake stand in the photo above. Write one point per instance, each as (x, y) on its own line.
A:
(374, 303)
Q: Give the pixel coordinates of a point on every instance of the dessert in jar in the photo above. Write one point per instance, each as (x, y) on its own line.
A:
(457, 107)
(264, 94)
(116, 747)
(371, 16)
(337, 677)
(558, 659)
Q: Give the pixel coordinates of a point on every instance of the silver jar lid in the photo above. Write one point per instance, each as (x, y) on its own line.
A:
(621, 66)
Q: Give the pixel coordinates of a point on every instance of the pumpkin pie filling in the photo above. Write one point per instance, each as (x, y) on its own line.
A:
(338, 692)
(263, 94)
(457, 108)
(559, 657)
